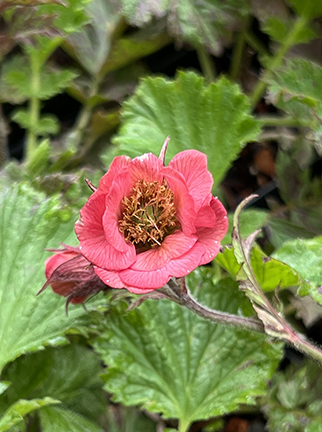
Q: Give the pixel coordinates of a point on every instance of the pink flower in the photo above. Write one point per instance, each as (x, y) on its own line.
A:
(71, 275)
(147, 222)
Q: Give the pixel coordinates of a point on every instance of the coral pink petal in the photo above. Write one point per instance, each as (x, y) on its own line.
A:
(147, 167)
(206, 217)
(110, 278)
(221, 215)
(210, 237)
(113, 212)
(173, 246)
(186, 263)
(116, 166)
(185, 208)
(103, 255)
(145, 280)
(158, 278)
(113, 280)
(90, 223)
(93, 244)
(193, 166)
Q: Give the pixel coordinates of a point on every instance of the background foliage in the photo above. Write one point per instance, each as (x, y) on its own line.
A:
(84, 80)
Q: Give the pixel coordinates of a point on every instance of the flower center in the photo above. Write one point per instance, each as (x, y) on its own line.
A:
(148, 214)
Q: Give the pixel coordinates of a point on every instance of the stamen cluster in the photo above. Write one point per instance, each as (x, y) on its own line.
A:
(149, 214)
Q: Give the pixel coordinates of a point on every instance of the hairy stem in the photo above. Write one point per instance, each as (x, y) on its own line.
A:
(286, 121)
(177, 291)
(34, 108)
(238, 52)
(184, 298)
(207, 64)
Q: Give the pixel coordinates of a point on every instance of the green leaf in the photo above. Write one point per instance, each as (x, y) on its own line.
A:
(279, 29)
(47, 124)
(50, 82)
(29, 223)
(91, 45)
(39, 160)
(52, 372)
(69, 18)
(309, 9)
(57, 420)
(169, 360)
(294, 402)
(191, 21)
(269, 272)
(213, 119)
(3, 386)
(17, 411)
(281, 230)
(250, 221)
(9, 92)
(305, 256)
(125, 51)
(128, 419)
(297, 88)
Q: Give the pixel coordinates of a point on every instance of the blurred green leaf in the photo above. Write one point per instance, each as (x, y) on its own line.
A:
(21, 408)
(213, 119)
(46, 124)
(3, 386)
(50, 82)
(279, 29)
(309, 9)
(58, 419)
(281, 230)
(294, 401)
(29, 223)
(157, 358)
(58, 373)
(91, 44)
(250, 221)
(39, 160)
(8, 91)
(125, 51)
(206, 22)
(297, 89)
(69, 18)
(128, 419)
(305, 256)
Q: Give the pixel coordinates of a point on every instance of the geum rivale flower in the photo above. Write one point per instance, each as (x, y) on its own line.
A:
(147, 222)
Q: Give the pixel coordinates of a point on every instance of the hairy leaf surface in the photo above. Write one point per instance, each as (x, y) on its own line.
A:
(166, 359)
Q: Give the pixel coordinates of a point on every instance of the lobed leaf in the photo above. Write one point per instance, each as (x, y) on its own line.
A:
(295, 400)
(297, 89)
(15, 414)
(270, 273)
(214, 119)
(54, 419)
(29, 223)
(58, 373)
(169, 360)
(46, 124)
(305, 256)
(50, 82)
(204, 23)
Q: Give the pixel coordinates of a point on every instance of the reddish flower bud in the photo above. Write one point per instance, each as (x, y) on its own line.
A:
(71, 275)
